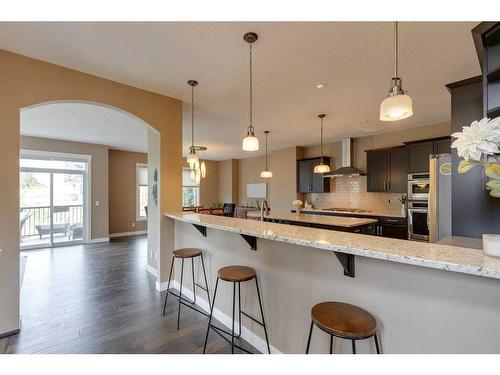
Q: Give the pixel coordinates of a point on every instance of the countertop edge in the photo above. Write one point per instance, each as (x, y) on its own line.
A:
(411, 260)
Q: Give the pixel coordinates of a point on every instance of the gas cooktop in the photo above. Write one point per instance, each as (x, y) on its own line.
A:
(350, 210)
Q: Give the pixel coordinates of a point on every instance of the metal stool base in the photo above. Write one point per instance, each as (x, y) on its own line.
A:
(182, 300)
(241, 313)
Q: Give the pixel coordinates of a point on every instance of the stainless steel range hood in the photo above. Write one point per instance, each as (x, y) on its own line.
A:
(347, 170)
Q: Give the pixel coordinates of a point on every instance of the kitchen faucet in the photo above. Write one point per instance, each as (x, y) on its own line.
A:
(264, 203)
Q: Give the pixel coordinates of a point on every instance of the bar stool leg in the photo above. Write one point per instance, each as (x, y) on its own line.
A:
(205, 277)
(232, 329)
(180, 295)
(211, 312)
(262, 315)
(376, 343)
(194, 287)
(353, 347)
(309, 338)
(239, 309)
(331, 344)
(168, 285)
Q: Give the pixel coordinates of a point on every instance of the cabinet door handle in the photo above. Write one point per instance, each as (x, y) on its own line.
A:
(388, 185)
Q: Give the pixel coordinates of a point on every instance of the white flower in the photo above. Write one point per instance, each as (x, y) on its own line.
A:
(481, 137)
(297, 203)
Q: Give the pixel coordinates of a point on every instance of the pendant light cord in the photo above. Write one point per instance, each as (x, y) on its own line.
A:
(321, 140)
(251, 89)
(192, 116)
(266, 150)
(396, 51)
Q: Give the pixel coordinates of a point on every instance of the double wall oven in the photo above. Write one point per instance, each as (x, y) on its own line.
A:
(418, 206)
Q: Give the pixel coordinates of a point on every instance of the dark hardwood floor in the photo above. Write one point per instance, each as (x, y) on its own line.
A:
(98, 298)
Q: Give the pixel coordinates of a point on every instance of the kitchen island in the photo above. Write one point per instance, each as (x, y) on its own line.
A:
(421, 307)
(347, 224)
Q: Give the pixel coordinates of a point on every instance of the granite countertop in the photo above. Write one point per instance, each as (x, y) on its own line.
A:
(423, 254)
(363, 213)
(459, 241)
(337, 221)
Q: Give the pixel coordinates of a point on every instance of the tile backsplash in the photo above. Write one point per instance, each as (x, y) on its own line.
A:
(350, 192)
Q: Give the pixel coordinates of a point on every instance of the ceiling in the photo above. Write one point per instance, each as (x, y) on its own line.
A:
(354, 60)
(84, 122)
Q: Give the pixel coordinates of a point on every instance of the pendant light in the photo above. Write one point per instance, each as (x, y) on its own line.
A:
(322, 167)
(203, 169)
(266, 173)
(397, 105)
(250, 142)
(192, 159)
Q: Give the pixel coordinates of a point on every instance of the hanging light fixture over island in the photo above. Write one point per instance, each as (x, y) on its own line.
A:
(250, 142)
(197, 171)
(322, 167)
(398, 105)
(266, 173)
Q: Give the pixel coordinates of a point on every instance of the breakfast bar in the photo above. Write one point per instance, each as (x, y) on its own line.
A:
(426, 297)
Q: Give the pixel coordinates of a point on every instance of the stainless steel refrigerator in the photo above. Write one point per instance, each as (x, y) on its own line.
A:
(439, 217)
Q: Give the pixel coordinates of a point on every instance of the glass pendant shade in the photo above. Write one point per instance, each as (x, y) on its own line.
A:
(197, 176)
(266, 174)
(203, 169)
(250, 142)
(193, 159)
(396, 107)
(321, 168)
(192, 175)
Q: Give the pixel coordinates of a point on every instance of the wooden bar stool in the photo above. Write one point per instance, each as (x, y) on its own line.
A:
(187, 253)
(345, 321)
(236, 274)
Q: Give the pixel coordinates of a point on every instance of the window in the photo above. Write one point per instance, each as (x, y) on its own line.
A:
(190, 190)
(142, 191)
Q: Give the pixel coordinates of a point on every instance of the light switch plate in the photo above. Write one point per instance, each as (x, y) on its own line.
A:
(97, 203)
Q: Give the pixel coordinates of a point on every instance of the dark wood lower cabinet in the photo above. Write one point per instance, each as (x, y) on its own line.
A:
(392, 231)
(362, 229)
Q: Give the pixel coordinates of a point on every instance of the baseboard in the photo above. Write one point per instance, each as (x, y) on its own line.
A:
(10, 333)
(247, 335)
(125, 234)
(151, 270)
(97, 240)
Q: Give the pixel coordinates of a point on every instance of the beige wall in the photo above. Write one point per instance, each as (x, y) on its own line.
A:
(209, 186)
(99, 175)
(123, 191)
(26, 82)
(249, 173)
(283, 184)
(282, 187)
(229, 181)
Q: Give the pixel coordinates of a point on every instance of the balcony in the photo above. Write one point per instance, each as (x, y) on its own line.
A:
(35, 226)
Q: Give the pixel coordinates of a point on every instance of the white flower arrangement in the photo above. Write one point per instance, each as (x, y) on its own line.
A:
(297, 203)
(477, 144)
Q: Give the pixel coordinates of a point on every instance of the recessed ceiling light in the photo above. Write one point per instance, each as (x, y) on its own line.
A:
(320, 85)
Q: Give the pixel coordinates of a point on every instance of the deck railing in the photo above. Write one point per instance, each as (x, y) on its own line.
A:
(64, 214)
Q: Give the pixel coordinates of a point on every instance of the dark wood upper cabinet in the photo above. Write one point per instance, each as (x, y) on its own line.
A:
(387, 170)
(442, 146)
(307, 180)
(377, 170)
(419, 155)
(397, 170)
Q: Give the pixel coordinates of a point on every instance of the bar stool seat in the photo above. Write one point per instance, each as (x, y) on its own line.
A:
(344, 321)
(187, 253)
(236, 273)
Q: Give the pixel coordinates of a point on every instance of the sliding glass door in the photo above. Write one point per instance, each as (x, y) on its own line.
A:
(53, 208)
